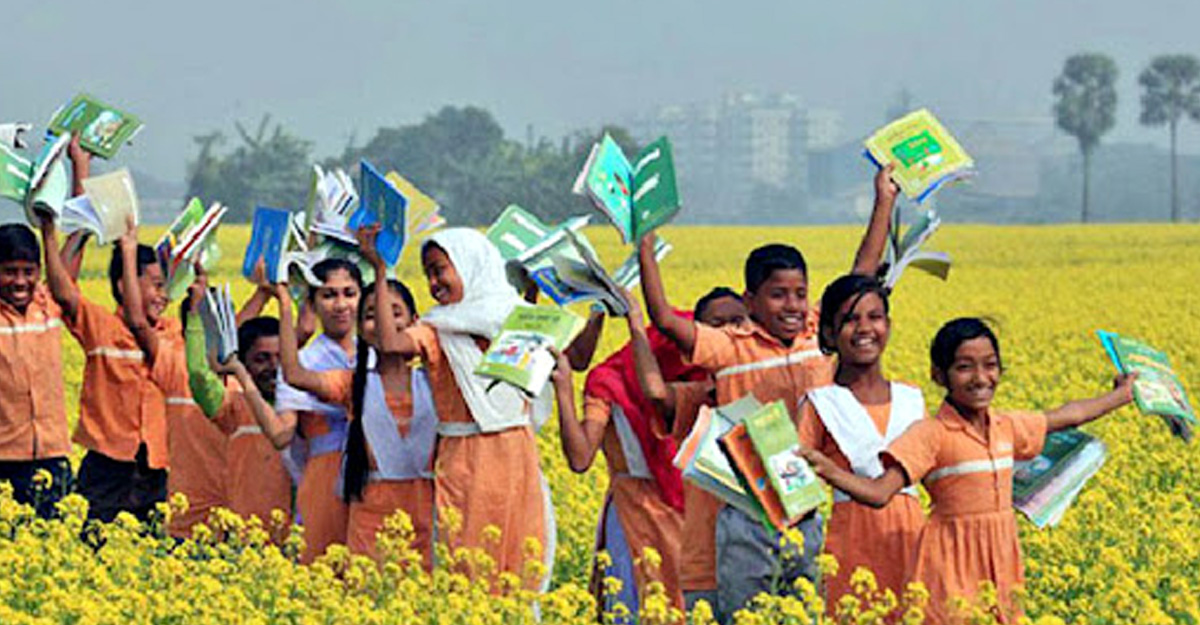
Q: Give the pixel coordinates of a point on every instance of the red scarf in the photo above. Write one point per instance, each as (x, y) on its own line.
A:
(615, 381)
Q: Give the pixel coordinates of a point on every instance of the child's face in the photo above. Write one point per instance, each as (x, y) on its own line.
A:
(17, 281)
(154, 292)
(401, 316)
(862, 333)
(336, 304)
(973, 375)
(724, 311)
(780, 304)
(262, 361)
(445, 285)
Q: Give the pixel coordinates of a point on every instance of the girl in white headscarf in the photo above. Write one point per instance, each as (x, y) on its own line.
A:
(486, 462)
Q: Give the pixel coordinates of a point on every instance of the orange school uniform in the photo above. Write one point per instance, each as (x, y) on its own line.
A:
(33, 419)
(883, 540)
(489, 479)
(971, 535)
(256, 482)
(646, 520)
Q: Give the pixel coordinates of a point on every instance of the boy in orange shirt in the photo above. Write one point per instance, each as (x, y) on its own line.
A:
(776, 357)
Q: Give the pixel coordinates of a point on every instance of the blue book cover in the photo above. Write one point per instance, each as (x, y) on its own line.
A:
(268, 238)
(382, 203)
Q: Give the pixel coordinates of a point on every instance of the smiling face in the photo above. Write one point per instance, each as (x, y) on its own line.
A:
(262, 362)
(973, 375)
(401, 316)
(336, 304)
(780, 304)
(154, 291)
(861, 334)
(17, 280)
(445, 285)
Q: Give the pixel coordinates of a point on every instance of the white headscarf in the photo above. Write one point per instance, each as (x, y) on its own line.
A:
(487, 300)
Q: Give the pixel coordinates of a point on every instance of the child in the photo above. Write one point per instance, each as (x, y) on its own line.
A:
(33, 420)
(122, 416)
(389, 447)
(320, 425)
(964, 457)
(775, 357)
(487, 458)
(851, 421)
(645, 503)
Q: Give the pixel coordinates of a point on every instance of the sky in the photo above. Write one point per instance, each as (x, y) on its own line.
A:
(330, 71)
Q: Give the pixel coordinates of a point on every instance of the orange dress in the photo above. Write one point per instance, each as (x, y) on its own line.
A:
(883, 540)
(646, 520)
(487, 479)
(256, 481)
(971, 535)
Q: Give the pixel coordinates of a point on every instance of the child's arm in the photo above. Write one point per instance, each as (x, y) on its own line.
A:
(875, 492)
(206, 386)
(650, 377)
(581, 350)
(680, 330)
(580, 440)
(62, 288)
(1076, 413)
(133, 308)
(870, 251)
(72, 251)
(81, 165)
(279, 428)
(294, 373)
(392, 342)
(258, 300)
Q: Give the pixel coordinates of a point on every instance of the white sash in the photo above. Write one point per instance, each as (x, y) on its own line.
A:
(400, 457)
(635, 461)
(852, 428)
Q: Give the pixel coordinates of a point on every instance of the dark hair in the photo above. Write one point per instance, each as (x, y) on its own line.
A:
(765, 260)
(18, 242)
(145, 258)
(399, 287)
(252, 330)
(955, 333)
(848, 288)
(719, 292)
(322, 270)
(357, 470)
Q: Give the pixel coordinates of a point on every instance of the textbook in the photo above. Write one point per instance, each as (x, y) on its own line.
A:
(926, 155)
(424, 213)
(40, 185)
(220, 323)
(1046, 486)
(331, 198)
(403, 211)
(904, 252)
(1158, 389)
(629, 274)
(275, 238)
(536, 252)
(752, 476)
(102, 129)
(638, 197)
(520, 354)
(791, 478)
(190, 238)
(103, 209)
(702, 462)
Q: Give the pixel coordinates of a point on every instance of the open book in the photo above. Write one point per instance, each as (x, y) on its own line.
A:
(220, 323)
(926, 155)
(190, 238)
(629, 274)
(40, 185)
(1044, 487)
(102, 129)
(107, 201)
(638, 197)
(331, 198)
(530, 246)
(275, 238)
(703, 463)
(403, 212)
(520, 354)
(904, 252)
(1158, 389)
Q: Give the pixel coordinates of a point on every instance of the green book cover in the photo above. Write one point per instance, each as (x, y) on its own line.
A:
(15, 173)
(102, 128)
(1031, 475)
(655, 194)
(926, 155)
(520, 354)
(775, 438)
(1158, 389)
(637, 197)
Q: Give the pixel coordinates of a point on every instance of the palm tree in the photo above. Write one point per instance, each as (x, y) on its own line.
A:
(1171, 90)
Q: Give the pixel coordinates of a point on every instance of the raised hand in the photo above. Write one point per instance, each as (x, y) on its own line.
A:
(198, 289)
(886, 188)
(367, 236)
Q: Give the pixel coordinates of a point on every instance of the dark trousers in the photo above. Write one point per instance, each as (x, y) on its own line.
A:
(41, 496)
(111, 486)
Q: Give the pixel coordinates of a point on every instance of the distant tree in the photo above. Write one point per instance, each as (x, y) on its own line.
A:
(1170, 92)
(1086, 106)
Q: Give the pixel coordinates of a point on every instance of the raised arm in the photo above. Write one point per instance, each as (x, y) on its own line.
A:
(258, 300)
(206, 386)
(581, 350)
(279, 428)
(1079, 412)
(580, 440)
(870, 251)
(650, 377)
(681, 331)
(62, 288)
(81, 165)
(392, 342)
(874, 492)
(132, 306)
(72, 252)
(294, 373)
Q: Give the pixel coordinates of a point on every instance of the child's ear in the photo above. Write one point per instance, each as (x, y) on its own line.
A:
(938, 376)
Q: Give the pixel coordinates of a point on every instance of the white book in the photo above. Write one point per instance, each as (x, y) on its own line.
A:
(103, 208)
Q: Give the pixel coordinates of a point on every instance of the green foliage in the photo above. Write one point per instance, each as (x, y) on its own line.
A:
(1086, 107)
(1170, 92)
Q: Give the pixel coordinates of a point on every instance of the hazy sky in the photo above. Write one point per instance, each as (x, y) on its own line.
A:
(329, 69)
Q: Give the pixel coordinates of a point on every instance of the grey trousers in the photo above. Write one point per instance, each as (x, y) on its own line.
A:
(750, 560)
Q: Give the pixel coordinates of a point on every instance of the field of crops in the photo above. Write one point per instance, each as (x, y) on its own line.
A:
(1127, 552)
